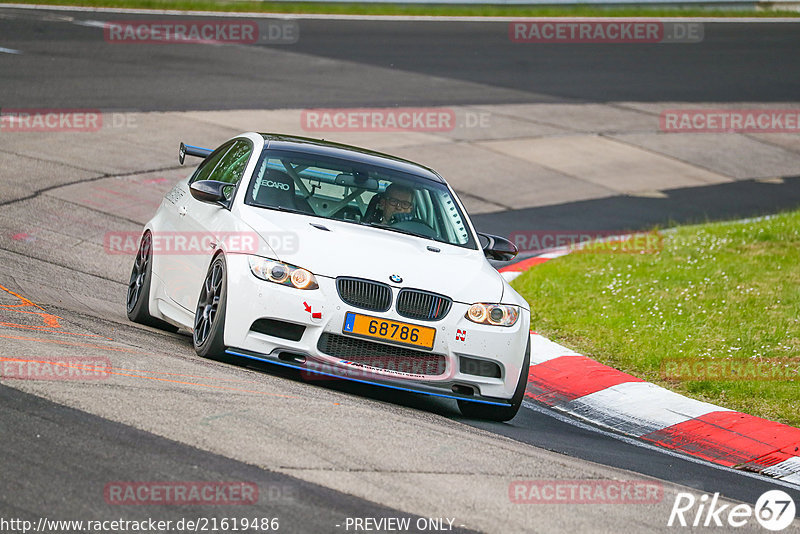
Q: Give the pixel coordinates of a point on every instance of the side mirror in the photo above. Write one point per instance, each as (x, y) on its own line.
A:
(498, 248)
(211, 191)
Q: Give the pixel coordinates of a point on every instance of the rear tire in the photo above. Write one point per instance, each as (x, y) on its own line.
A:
(208, 334)
(490, 412)
(138, 297)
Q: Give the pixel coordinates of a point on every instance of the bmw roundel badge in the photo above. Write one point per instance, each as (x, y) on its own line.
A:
(395, 278)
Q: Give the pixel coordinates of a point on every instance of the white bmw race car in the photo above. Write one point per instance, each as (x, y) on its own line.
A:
(338, 261)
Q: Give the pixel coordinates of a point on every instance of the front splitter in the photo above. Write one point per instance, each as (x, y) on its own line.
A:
(400, 385)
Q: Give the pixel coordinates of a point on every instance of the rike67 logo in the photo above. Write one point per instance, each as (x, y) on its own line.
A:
(774, 510)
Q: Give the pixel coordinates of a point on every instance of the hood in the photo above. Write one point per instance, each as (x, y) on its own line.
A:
(331, 248)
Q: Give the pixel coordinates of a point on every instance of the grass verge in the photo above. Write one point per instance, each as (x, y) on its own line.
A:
(714, 315)
(352, 8)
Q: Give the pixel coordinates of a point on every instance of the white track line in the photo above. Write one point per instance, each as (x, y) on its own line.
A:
(9, 51)
(91, 23)
(791, 484)
(389, 17)
(555, 253)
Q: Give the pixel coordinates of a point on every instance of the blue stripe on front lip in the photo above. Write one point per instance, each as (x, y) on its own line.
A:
(360, 381)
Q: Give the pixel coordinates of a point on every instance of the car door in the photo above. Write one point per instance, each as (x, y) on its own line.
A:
(205, 224)
(172, 266)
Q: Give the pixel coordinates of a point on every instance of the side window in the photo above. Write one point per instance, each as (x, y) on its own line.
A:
(208, 164)
(230, 168)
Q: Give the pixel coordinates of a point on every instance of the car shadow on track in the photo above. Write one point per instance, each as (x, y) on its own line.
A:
(418, 401)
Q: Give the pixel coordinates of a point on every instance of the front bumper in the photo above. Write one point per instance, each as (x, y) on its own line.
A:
(321, 311)
(321, 373)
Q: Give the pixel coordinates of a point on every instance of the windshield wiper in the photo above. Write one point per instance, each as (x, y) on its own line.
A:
(283, 208)
(398, 230)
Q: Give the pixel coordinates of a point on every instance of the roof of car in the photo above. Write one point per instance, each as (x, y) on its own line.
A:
(337, 150)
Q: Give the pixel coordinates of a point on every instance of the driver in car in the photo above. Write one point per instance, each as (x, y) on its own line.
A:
(396, 204)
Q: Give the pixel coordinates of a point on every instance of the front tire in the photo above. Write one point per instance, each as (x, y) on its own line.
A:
(489, 412)
(208, 334)
(138, 297)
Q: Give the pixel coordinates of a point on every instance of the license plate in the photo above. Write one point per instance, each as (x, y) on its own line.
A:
(395, 331)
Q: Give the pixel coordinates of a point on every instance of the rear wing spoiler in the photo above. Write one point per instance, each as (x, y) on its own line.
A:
(189, 150)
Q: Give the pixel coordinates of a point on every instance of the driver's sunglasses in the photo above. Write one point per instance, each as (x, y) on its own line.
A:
(397, 203)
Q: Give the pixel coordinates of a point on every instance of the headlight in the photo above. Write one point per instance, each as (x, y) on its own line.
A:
(282, 273)
(493, 314)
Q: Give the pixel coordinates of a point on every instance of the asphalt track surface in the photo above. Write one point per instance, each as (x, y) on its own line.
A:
(56, 458)
(94, 448)
(387, 64)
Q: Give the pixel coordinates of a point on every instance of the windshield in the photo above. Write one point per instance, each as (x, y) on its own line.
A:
(358, 193)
